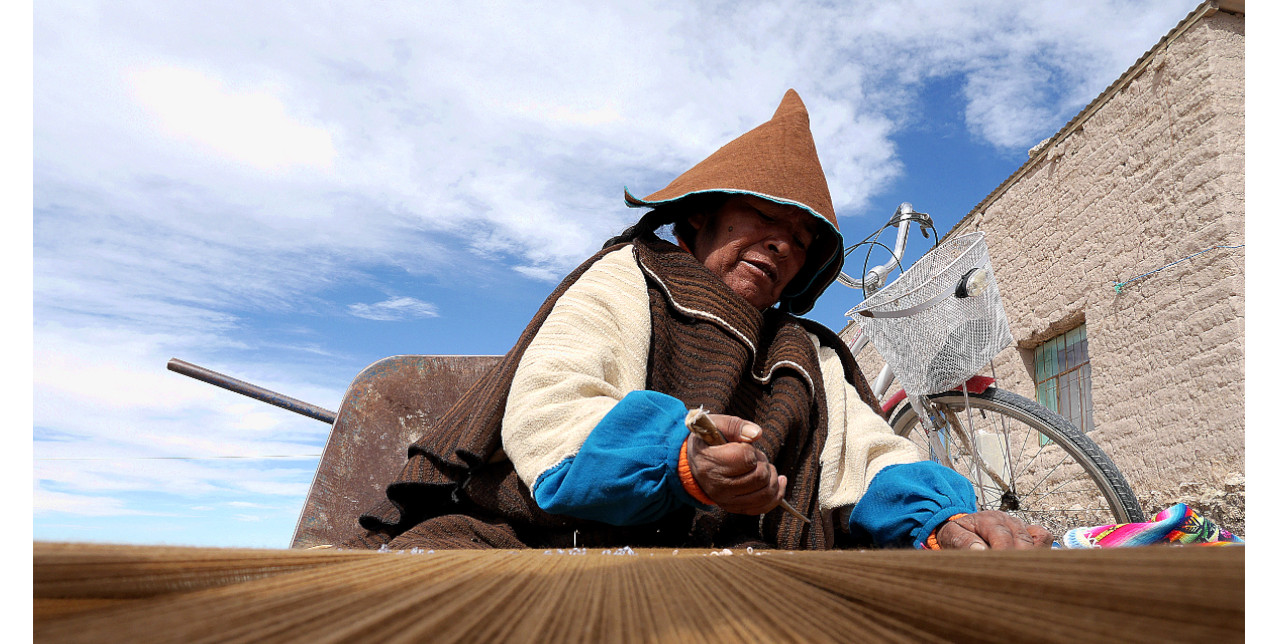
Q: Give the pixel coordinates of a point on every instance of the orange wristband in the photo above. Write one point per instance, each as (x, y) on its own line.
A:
(932, 542)
(686, 477)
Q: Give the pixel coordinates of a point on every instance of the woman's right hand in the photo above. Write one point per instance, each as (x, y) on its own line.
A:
(736, 475)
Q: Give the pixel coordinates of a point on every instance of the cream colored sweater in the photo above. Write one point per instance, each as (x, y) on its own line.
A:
(593, 349)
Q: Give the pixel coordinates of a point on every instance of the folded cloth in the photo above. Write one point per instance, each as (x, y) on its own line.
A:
(1178, 524)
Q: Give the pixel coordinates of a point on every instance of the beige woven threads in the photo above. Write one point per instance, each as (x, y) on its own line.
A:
(91, 593)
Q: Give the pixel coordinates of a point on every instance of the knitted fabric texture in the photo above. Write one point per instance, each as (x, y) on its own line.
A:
(859, 443)
(710, 348)
(593, 349)
(777, 161)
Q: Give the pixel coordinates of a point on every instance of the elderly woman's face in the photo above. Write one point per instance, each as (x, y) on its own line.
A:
(755, 246)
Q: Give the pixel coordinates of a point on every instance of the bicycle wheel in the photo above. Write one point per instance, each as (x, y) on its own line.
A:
(1040, 468)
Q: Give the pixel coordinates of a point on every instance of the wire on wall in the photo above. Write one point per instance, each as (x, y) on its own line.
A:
(1120, 285)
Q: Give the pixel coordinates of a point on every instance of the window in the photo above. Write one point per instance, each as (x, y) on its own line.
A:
(1063, 383)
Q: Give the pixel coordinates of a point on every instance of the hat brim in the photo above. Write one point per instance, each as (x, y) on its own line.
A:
(825, 258)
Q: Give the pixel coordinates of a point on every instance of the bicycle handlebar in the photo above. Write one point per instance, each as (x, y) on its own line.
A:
(875, 278)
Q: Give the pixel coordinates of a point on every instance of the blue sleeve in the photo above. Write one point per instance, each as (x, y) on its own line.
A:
(627, 471)
(905, 503)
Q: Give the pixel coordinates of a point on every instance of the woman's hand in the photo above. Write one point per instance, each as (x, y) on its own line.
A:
(736, 475)
(992, 529)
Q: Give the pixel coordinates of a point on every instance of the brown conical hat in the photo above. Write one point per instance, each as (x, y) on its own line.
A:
(776, 161)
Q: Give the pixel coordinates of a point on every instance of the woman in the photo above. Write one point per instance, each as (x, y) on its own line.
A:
(578, 436)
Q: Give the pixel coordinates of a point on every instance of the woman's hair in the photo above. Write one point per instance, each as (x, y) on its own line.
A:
(676, 214)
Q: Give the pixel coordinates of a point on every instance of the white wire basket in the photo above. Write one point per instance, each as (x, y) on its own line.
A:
(941, 321)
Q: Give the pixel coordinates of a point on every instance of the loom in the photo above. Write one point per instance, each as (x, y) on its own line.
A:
(98, 593)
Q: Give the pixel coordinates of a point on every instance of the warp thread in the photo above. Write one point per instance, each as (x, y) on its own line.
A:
(87, 592)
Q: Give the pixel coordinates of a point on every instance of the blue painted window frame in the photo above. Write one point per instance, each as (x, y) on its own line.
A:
(1064, 377)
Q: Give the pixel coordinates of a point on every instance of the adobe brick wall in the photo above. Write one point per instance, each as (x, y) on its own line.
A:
(1154, 175)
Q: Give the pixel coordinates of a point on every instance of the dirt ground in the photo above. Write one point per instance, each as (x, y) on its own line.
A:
(1224, 507)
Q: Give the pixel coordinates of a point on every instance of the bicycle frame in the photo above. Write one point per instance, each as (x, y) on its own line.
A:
(876, 278)
(919, 403)
(925, 409)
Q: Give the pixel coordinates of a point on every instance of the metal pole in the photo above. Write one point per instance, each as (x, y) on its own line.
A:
(251, 390)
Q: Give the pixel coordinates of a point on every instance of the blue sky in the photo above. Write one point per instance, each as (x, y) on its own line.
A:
(287, 192)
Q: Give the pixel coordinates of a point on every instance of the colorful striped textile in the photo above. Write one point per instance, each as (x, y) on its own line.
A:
(1177, 524)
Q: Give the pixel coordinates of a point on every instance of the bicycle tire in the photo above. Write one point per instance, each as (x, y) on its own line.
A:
(1088, 490)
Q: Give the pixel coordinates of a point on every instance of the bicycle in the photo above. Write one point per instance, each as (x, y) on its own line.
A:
(937, 325)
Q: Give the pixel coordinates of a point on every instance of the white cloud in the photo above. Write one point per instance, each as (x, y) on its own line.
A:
(79, 504)
(291, 489)
(394, 309)
(512, 127)
(108, 415)
(1007, 107)
(121, 369)
(1027, 66)
(251, 127)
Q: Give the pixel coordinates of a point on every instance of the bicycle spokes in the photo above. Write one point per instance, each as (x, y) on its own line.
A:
(998, 448)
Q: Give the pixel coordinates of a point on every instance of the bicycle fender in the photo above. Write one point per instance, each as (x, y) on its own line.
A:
(974, 385)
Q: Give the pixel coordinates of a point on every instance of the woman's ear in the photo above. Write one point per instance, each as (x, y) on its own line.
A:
(698, 220)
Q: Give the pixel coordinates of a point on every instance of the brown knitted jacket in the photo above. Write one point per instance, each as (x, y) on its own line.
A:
(709, 347)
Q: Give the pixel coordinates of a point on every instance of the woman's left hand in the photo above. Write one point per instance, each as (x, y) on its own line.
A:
(992, 529)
